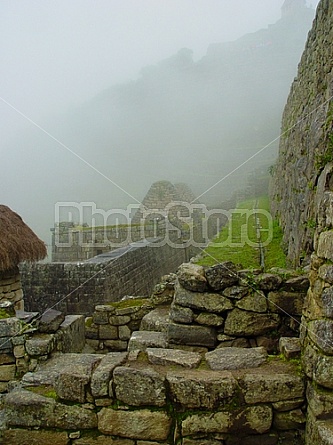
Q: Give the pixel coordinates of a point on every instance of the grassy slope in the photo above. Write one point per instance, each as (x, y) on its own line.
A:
(232, 245)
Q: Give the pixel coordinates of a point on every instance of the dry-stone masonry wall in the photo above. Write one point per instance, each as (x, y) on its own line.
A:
(11, 288)
(306, 145)
(162, 390)
(76, 288)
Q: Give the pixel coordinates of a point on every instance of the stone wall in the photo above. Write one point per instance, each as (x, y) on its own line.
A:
(317, 322)
(76, 288)
(306, 144)
(221, 306)
(163, 390)
(11, 288)
(29, 339)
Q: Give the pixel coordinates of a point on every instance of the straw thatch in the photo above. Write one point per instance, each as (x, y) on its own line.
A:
(17, 241)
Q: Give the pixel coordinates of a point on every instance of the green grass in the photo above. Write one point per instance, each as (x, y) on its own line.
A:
(237, 242)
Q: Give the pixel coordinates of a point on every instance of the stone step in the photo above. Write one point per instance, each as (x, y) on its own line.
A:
(156, 320)
(141, 340)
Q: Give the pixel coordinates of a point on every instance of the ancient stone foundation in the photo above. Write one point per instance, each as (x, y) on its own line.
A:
(11, 288)
(143, 383)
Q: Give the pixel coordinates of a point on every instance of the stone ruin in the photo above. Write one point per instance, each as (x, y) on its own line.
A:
(212, 357)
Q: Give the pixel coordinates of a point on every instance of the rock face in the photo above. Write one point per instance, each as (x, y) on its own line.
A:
(301, 192)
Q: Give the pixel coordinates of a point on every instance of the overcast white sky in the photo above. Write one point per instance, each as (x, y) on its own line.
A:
(58, 53)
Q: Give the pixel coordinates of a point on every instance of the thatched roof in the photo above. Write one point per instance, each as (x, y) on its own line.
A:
(17, 241)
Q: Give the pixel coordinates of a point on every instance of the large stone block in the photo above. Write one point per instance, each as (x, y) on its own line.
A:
(241, 323)
(156, 320)
(235, 358)
(323, 370)
(71, 335)
(160, 356)
(9, 327)
(272, 387)
(50, 321)
(191, 335)
(142, 424)
(320, 401)
(289, 420)
(142, 340)
(7, 372)
(321, 333)
(192, 277)
(103, 373)
(222, 275)
(201, 389)
(139, 387)
(205, 301)
(289, 303)
(41, 344)
(325, 245)
(31, 437)
(251, 420)
(255, 302)
(180, 314)
(27, 409)
(71, 383)
(102, 440)
(268, 281)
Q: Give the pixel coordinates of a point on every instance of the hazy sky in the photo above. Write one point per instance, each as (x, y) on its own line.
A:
(57, 54)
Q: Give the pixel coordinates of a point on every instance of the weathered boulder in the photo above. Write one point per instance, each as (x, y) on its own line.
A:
(71, 383)
(191, 335)
(290, 347)
(256, 419)
(236, 292)
(180, 314)
(286, 302)
(325, 272)
(27, 409)
(26, 437)
(139, 387)
(40, 344)
(10, 327)
(235, 358)
(327, 302)
(142, 424)
(268, 281)
(242, 323)
(205, 301)
(160, 356)
(325, 245)
(321, 333)
(201, 389)
(289, 420)
(255, 302)
(222, 275)
(147, 339)
(50, 321)
(71, 335)
(296, 284)
(103, 373)
(92, 439)
(264, 387)
(208, 319)
(192, 277)
(320, 401)
(156, 320)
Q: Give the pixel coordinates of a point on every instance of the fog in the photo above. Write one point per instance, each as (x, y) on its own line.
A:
(100, 99)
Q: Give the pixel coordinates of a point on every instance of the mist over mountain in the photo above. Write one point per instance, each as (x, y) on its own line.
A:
(195, 121)
(182, 120)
